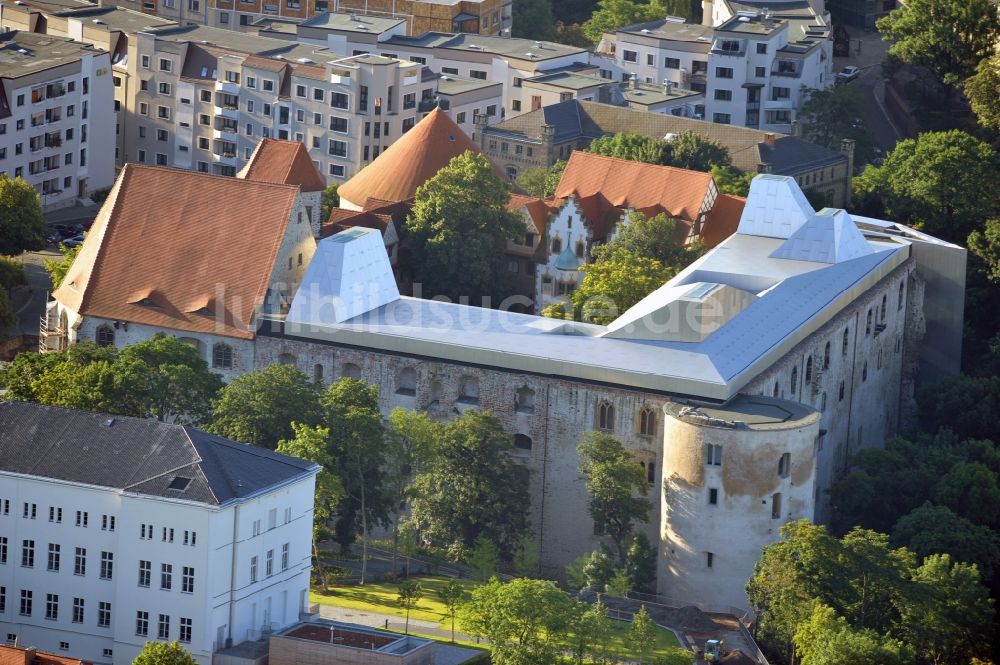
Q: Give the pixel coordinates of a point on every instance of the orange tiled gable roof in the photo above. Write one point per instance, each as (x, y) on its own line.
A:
(377, 214)
(283, 163)
(538, 209)
(600, 183)
(182, 250)
(412, 160)
(722, 219)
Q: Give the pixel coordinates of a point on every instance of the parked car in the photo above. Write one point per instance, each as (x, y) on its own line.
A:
(848, 74)
(75, 241)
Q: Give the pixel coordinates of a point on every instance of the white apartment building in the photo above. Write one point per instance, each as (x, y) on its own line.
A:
(56, 118)
(753, 68)
(117, 531)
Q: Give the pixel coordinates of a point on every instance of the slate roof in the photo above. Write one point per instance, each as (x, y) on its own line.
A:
(137, 455)
(575, 119)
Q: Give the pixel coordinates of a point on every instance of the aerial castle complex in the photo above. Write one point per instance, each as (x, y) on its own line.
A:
(743, 385)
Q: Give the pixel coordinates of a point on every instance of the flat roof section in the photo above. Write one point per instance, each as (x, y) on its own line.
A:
(24, 53)
(754, 412)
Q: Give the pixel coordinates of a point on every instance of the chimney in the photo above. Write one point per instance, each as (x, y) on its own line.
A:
(847, 147)
(796, 130)
(769, 139)
(763, 167)
(668, 86)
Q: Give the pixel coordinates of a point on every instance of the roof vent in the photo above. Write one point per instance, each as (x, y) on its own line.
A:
(645, 31)
(530, 54)
(354, 17)
(538, 45)
(362, 26)
(23, 51)
(676, 19)
(451, 137)
(110, 422)
(18, 2)
(446, 78)
(744, 19)
(179, 483)
(98, 21)
(306, 61)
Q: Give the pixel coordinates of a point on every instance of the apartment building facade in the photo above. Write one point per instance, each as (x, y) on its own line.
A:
(117, 531)
(56, 118)
(754, 68)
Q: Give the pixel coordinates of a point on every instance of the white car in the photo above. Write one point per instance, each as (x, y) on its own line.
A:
(848, 73)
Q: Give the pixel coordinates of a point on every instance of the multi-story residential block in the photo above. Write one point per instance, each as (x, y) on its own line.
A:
(542, 137)
(56, 116)
(117, 531)
(755, 66)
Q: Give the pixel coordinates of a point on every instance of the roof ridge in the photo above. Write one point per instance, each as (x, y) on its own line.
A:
(213, 176)
(95, 269)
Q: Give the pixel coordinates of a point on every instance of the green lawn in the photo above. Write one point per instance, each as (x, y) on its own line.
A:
(382, 599)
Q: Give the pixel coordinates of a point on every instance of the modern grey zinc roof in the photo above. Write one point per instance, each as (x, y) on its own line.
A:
(136, 455)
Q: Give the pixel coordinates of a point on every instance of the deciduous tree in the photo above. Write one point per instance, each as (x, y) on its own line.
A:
(484, 558)
(330, 200)
(410, 593)
(640, 563)
(451, 594)
(472, 487)
(693, 151)
(458, 231)
(57, 268)
(642, 633)
(949, 37)
(932, 529)
(827, 639)
(164, 653)
(532, 19)
(631, 146)
(23, 228)
(838, 113)
(11, 274)
(981, 89)
(658, 237)
(259, 407)
(617, 488)
(613, 285)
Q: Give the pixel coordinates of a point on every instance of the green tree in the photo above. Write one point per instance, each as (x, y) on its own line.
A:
(640, 563)
(472, 487)
(619, 585)
(459, 228)
(932, 529)
(970, 489)
(311, 443)
(532, 181)
(985, 243)
(167, 378)
(357, 447)
(410, 593)
(164, 653)
(834, 114)
(523, 619)
(532, 19)
(259, 407)
(526, 556)
(659, 237)
(981, 89)
(966, 405)
(693, 151)
(451, 594)
(57, 268)
(613, 285)
(948, 616)
(827, 639)
(613, 14)
(11, 274)
(591, 628)
(410, 441)
(597, 570)
(949, 37)
(616, 486)
(730, 181)
(570, 34)
(552, 178)
(484, 558)
(642, 633)
(23, 228)
(632, 146)
(942, 183)
(330, 200)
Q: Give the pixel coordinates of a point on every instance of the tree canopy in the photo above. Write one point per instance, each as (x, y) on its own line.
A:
(11, 274)
(330, 200)
(23, 228)
(632, 146)
(838, 113)
(164, 653)
(687, 150)
(616, 486)
(259, 407)
(57, 268)
(471, 487)
(532, 19)
(458, 230)
(949, 37)
(613, 14)
(981, 89)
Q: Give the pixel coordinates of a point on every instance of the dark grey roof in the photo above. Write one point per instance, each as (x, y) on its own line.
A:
(791, 155)
(136, 455)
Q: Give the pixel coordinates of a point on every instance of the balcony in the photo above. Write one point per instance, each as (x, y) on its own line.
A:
(783, 104)
(227, 87)
(427, 105)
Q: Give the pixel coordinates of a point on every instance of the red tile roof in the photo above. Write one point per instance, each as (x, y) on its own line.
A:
(538, 209)
(722, 220)
(605, 186)
(412, 160)
(13, 655)
(170, 242)
(283, 163)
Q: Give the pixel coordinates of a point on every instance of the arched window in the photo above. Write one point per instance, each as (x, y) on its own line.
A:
(222, 356)
(317, 373)
(406, 383)
(606, 416)
(777, 389)
(556, 245)
(847, 335)
(868, 323)
(437, 390)
(793, 382)
(647, 421)
(809, 369)
(350, 370)
(579, 249)
(899, 303)
(826, 356)
(525, 400)
(470, 391)
(105, 336)
(522, 441)
(651, 472)
(882, 312)
(286, 359)
(784, 465)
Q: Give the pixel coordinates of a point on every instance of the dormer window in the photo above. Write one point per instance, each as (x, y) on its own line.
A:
(146, 302)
